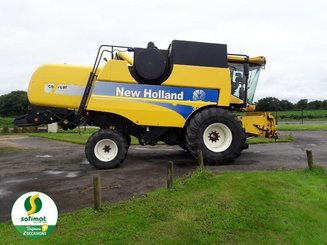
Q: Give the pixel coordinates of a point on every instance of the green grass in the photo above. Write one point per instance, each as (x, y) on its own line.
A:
(7, 150)
(306, 114)
(6, 122)
(281, 139)
(302, 127)
(73, 136)
(276, 207)
(297, 115)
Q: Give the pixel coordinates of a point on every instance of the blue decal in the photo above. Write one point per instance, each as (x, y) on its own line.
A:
(184, 110)
(155, 92)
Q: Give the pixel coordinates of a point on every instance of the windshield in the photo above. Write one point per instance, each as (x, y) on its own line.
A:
(238, 80)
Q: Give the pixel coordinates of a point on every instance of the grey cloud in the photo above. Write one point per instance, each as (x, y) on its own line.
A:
(289, 33)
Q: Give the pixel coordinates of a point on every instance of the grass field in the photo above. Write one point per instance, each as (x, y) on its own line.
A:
(281, 139)
(6, 122)
(305, 114)
(302, 127)
(275, 207)
(73, 136)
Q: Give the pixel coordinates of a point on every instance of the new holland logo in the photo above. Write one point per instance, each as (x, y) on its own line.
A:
(199, 94)
(34, 215)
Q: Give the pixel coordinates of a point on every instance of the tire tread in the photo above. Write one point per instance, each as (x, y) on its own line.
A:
(200, 121)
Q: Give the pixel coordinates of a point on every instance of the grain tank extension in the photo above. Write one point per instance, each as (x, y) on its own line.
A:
(187, 95)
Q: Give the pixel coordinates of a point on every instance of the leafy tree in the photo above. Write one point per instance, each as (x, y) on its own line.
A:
(268, 104)
(274, 104)
(324, 105)
(302, 104)
(285, 105)
(316, 104)
(13, 104)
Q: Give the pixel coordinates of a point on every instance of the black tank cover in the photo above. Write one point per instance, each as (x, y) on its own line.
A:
(150, 63)
(198, 54)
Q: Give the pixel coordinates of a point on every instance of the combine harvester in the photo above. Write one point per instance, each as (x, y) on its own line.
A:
(186, 95)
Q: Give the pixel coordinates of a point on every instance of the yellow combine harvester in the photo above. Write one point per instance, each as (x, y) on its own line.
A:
(185, 96)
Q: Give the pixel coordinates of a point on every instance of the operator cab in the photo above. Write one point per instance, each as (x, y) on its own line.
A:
(237, 68)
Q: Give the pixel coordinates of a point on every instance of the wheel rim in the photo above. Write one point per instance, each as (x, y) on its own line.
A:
(106, 150)
(217, 137)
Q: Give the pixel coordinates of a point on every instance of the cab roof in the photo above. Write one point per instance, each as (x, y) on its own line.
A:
(258, 60)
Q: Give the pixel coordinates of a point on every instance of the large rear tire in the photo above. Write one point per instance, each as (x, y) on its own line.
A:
(217, 133)
(106, 149)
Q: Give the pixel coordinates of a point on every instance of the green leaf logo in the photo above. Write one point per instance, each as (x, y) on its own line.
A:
(33, 204)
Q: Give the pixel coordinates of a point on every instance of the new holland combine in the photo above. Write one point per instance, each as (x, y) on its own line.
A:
(187, 95)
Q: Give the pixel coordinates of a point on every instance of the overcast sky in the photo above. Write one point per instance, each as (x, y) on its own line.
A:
(292, 34)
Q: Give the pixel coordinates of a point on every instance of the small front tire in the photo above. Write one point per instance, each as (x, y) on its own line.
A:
(106, 149)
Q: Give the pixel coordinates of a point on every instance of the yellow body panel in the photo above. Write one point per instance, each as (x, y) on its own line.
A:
(262, 124)
(235, 100)
(62, 86)
(59, 86)
(202, 77)
(116, 71)
(126, 57)
(250, 107)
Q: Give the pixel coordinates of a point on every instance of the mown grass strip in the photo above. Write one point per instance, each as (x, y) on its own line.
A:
(66, 137)
(302, 127)
(281, 139)
(74, 136)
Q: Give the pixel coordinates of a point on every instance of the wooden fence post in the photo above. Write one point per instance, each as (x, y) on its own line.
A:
(170, 174)
(310, 159)
(200, 158)
(97, 192)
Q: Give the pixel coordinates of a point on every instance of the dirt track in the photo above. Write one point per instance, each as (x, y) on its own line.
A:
(61, 170)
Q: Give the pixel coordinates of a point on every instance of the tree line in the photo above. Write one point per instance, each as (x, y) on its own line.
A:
(274, 104)
(15, 103)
